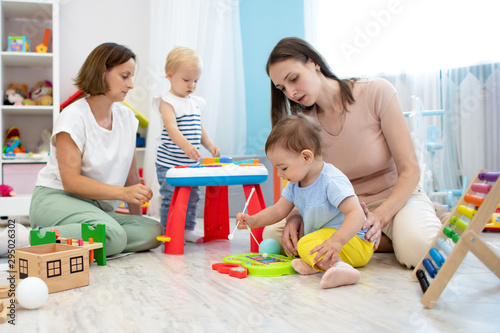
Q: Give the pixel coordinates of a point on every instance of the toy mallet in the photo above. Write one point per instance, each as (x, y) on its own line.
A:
(231, 235)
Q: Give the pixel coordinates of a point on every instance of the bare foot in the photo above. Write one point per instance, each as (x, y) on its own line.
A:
(441, 211)
(302, 267)
(339, 276)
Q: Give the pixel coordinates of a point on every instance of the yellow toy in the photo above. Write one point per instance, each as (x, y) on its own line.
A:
(143, 122)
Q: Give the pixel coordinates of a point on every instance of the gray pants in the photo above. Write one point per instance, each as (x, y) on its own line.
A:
(52, 208)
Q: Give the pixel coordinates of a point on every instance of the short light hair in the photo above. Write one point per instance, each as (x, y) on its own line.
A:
(90, 78)
(180, 55)
(296, 133)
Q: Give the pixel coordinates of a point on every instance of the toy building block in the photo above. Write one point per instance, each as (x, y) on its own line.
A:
(4, 291)
(98, 235)
(37, 239)
(19, 44)
(60, 266)
(3, 313)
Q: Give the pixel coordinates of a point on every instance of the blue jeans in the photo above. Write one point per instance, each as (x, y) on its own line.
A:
(167, 191)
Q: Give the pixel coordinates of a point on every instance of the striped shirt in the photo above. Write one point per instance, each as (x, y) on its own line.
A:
(188, 117)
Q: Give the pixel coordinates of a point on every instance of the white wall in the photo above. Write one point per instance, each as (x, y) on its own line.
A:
(86, 24)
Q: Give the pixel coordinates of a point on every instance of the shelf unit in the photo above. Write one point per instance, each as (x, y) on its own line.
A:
(30, 19)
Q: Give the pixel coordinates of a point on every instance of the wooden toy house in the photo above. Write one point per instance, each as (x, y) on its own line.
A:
(61, 266)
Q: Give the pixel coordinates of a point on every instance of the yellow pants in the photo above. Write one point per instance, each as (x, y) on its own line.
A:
(357, 252)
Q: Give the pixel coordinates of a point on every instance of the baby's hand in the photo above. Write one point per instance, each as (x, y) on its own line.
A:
(193, 153)
(330, 249)
(215, 151)
(245, 220)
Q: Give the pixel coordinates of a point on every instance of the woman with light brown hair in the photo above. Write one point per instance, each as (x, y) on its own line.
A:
(92, 165)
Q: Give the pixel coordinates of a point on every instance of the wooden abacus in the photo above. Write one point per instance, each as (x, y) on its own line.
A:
(464, 234)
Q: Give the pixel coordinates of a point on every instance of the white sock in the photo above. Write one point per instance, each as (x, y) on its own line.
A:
(22, 238)
(340, 274)
(192, 236)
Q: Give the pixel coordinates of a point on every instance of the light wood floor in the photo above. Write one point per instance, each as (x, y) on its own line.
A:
(153, 292)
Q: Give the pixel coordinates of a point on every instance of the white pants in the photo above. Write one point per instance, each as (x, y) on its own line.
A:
(411, 230)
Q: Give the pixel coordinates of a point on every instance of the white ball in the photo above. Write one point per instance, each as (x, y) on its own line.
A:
(230, 236)
(32, 292)
(265, 255)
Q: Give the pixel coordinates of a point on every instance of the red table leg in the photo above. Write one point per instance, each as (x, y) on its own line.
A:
(256, 204)
(176, 220)
(216, 213)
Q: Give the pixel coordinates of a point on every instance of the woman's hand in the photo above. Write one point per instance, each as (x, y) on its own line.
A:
(292, 232)
(137, 194)
(374, 224)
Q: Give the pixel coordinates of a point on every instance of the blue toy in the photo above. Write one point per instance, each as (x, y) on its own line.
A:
(269, 246)
(19, 44)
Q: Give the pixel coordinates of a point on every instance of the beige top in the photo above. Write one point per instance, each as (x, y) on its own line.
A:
(360, 150)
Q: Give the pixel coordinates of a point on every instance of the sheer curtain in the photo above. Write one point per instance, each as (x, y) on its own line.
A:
(473, 93)
(444, 52)
(212, 29)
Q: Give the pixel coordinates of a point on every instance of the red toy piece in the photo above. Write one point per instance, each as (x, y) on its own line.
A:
(235, 270)
(58, 233)
(73, 98)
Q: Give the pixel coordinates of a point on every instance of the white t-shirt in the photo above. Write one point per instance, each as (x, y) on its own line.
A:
(106, 154)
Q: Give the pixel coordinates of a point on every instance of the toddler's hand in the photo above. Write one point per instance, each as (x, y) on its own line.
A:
(215, 151)
(329, 249)
(193, 153)
(245, 220)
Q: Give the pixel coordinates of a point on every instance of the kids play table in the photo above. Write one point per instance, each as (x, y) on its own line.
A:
(216, 174)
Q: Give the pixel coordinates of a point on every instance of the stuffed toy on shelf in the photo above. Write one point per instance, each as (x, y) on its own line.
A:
(41, 94)
(7, 191)
(13, 142)
(15, 94)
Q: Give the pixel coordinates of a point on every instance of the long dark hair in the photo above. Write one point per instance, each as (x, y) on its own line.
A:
(300, 50)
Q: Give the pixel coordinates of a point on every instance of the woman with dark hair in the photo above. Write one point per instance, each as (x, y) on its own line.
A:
(92, 164)
(365, 136)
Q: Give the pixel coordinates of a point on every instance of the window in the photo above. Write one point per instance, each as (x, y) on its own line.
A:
(76, 264)
(369, 37)
(53, 268)
(23, 268)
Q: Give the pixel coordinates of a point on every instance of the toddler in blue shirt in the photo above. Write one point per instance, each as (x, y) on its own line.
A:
(333, 241)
